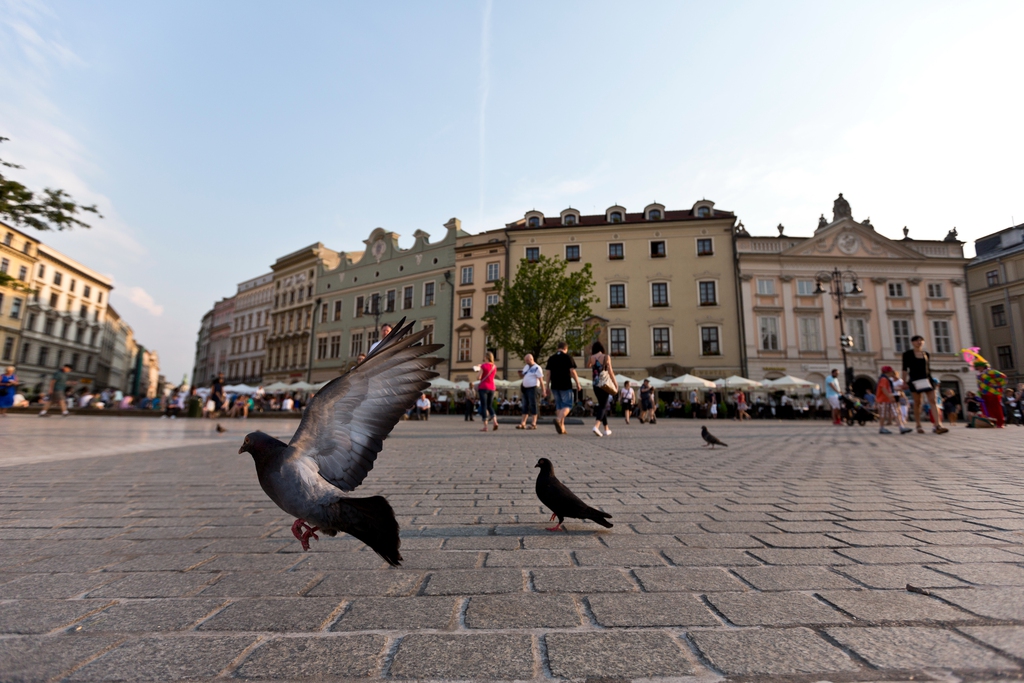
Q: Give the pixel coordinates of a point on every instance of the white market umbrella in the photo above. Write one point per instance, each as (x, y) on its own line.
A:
(789, 382)
(622, 379)
(586, 383)
(737, 382)
(240, 389)
(657, 383)
(301, 386)
(276, 387)
(442, 383)
(689, 381)
(462, 385)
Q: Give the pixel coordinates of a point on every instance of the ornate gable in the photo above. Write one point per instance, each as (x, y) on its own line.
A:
(848, 239)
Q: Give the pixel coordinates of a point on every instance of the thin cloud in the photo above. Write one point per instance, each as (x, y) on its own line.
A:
(485, 88)
(142, 299)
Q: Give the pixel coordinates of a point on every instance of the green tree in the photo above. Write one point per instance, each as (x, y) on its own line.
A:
(49, 210)
(540, 307)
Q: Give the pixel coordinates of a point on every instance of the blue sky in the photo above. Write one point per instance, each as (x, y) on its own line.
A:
(218, 136)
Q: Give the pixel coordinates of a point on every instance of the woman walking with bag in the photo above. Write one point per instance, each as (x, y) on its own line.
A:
(917, 373)
(605, 388)
(485, 390)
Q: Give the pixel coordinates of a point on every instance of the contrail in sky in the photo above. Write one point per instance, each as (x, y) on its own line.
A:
(485, 86)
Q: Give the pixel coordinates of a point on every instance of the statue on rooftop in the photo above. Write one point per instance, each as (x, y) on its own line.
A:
(841, 208)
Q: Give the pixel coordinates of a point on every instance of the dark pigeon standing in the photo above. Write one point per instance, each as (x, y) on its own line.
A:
(220, 428)
(711, 439)
(342, 431)
(562, 502)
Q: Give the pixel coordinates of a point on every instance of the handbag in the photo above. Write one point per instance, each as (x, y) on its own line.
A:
(923, 384)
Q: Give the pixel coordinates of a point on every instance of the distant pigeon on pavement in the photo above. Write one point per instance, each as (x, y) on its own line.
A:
(711, 439)
(561, 501)
(220, 429)
(341, 432)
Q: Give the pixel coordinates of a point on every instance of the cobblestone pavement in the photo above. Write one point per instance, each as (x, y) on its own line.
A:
(785, 555)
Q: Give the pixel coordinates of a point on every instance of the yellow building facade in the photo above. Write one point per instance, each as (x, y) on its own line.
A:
(18, 255)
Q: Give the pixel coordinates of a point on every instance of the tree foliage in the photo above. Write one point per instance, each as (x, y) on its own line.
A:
(543, 303)
(51, 209)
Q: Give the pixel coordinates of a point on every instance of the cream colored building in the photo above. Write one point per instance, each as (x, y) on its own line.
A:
(64, 320)
(249, 327)
(908, 287)
(116, 353)
(995, 283)
(18, 255)
(665, 284)
(480, 262)
(291, 318)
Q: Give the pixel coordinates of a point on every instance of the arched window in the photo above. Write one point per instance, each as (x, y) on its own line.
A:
(534, 222)
(654, 215)
(703, 212)
(570, 219)
(615, 217)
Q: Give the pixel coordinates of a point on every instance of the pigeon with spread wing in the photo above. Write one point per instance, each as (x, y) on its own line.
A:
(342, 431)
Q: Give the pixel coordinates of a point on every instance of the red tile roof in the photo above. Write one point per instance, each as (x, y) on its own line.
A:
(601, 219)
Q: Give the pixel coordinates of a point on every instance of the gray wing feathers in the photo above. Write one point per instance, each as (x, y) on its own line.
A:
(345, 424)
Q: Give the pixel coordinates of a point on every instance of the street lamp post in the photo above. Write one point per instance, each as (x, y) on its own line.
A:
(840, 285)
(373, 308)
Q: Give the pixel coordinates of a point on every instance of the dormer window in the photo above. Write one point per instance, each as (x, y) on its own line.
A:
(615, 217)
(570, 219)
(654, 215)
(703, 212)
(534, 222)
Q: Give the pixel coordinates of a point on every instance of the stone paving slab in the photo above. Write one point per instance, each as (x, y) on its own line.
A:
(760, 560)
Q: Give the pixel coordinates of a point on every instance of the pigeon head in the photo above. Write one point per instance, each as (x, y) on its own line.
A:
(545, 466)
(260, 445)
(703, 429)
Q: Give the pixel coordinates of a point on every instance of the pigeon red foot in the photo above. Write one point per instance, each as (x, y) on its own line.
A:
(303, 531)
(556, 527)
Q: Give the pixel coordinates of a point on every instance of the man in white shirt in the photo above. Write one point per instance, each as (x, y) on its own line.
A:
(423, 407)
(385, 330)
(533, 379)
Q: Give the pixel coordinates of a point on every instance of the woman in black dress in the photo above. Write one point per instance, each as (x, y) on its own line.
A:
(917, 373)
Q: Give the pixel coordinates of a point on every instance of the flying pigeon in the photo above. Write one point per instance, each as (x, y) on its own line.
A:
(341, 432)
(561, 501)
(220, 429)
(711, 439)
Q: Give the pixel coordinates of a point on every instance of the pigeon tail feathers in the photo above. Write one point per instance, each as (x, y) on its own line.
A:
(372, 521)
(601, 518)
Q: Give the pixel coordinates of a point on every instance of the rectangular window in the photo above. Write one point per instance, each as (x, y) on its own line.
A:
(708, 296)
(659, 294)
(321, 348)
(42, 272)
(324, 310)
(709, 345)
(336, 346)
(86, 291)
(805, 287)
(662, 343)
(5, 264)
(810, 339)
(2, 305)
(428, 293)
(859, 332)
(466, 307)
(934, 290)
(941, 342)
(23, 273)
(492, 301)
(616, 296)
(375, 303)
(25, 349)
(337, 311)
(44, 356)
(371, 338)
(48, 327)
(99, 297)
(8, 348)
(57, 277)
(999, 315)
(572, 252)
(1004, 354)
(615, 251)
(901, 335)
(616, 342)
(357, 344)
(465, 349)
(358, 311)
(73, 282)
(705, 246)
(83, 312)
(74, 361)
(15, 308)
(389, 301)
(765, 286)
(992, 278)
(896, 289)
(658, 249)
(574, 338)
(407, 294)
(54, 300)
(533, 254)
(493, 272)
(769, 329)
(467, 275)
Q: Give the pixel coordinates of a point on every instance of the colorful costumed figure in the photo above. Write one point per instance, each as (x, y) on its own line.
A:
(990, 386)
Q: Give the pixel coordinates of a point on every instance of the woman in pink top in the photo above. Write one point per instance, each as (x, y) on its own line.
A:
(485, 390)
